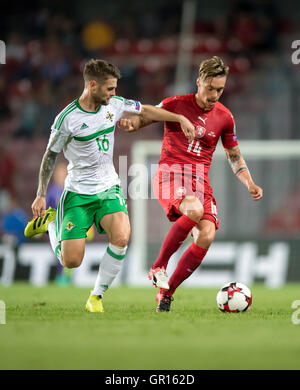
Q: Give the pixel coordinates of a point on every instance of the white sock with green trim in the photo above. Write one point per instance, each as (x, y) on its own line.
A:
(55, 244)
(110, 266)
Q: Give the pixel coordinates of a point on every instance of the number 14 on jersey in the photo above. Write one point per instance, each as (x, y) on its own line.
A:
(194, 147)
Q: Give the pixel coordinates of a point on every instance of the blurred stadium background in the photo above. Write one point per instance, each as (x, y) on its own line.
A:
(158, 47)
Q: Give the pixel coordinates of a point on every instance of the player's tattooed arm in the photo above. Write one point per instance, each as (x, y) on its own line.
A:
(38, 206)
(143, 122)
(236, 160)
(241, 171)
(46, 170)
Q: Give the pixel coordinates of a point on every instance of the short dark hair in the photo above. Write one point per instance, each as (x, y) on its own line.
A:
(213, 67)
(100, 70)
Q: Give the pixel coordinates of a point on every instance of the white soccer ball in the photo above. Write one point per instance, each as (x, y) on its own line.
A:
(234, 297)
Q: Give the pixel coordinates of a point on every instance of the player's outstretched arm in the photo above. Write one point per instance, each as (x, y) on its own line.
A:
(150, 114)
(240, 169)
(46, 169)
(159, 114)
(133, 122)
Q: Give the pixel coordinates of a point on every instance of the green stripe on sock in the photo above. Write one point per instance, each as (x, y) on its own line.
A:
(112, 254)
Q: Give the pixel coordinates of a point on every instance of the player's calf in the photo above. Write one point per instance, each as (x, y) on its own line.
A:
(205, 234)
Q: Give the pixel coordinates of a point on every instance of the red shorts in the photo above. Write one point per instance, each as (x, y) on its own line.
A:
(171, 188)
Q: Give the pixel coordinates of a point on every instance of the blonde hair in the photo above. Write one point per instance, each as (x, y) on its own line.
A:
(213, 67)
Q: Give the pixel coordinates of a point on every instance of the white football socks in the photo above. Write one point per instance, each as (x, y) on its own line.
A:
(110, 266)
(55, 244)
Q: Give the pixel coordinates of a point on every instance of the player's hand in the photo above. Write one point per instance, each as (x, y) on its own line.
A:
(125, 124)
(255, 191)
(38, 206)
(188, 128)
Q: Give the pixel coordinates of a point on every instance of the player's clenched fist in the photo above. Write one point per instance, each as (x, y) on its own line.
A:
(125, 124)
(38, 207)
(188, 128)
(255, 191)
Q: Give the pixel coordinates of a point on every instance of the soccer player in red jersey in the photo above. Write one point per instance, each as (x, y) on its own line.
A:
(181, 183)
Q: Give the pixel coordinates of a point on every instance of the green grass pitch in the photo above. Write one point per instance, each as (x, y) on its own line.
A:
(48, 328)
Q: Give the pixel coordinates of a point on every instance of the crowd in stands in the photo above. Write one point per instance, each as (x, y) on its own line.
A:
(46, 49)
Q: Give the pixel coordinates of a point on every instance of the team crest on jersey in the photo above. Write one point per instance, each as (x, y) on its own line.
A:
(200, 131)
(69, 226)
(109, 116)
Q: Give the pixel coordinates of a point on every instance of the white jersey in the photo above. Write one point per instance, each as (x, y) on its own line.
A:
(87, 140)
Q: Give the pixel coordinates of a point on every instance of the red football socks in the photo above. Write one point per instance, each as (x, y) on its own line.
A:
(189, 261)
(174, 239)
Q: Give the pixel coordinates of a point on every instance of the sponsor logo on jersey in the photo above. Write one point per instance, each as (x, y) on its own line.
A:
(83, 126)
(200, 131)
(203, 119)
(69, 226)
(109, 116)
(212, 134)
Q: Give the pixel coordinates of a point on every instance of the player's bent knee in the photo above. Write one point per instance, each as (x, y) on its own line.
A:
(120, 241)
(71, 262)
(72, 252)
(195, 215)
(192, 208)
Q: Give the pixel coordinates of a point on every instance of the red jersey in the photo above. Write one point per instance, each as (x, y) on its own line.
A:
(183, 166)
(209, 125)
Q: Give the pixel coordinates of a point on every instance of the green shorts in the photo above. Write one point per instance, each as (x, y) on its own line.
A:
(76, 213)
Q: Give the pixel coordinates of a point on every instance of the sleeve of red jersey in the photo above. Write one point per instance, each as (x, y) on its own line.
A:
(229, 137)
(168, 104)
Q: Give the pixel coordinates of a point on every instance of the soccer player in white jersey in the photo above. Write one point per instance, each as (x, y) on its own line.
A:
(84, 131)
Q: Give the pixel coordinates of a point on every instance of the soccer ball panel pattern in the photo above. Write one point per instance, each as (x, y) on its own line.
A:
(234, 297)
